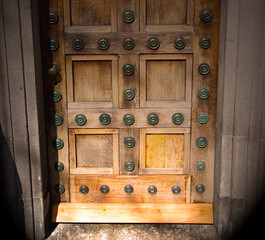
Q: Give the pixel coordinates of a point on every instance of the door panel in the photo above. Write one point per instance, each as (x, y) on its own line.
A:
(94, 151)
(92, 81)
(130, 92)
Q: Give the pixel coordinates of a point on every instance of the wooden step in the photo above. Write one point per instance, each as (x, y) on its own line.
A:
(199, 213)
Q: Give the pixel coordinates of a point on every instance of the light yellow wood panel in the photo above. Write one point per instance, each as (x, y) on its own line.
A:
(174, 151)
(164, 151)
(133, 213)
(155, 151)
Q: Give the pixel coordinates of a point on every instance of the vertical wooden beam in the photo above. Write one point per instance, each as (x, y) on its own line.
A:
(55, 57)
(209, 56)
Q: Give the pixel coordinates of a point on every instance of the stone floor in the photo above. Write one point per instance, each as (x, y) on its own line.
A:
(133, 232)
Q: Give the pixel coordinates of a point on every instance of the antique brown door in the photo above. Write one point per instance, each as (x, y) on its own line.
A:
(130, 91)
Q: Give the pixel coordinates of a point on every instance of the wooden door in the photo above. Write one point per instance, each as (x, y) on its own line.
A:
(130, 91)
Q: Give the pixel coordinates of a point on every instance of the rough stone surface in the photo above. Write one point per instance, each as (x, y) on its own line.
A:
(133, 232)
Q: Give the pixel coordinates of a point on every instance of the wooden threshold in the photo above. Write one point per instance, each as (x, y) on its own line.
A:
(199, 213)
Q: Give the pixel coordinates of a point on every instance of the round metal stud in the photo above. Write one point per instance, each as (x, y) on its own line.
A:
(128, 43)
(176, 190)
(128, 69)
(56, 120)
(128, 119)
(152, 190)
(200, 165)
(201, 142)
(202, 118)
(104, 189)
(128, 94)
(56, 96)
(52, 17)
(206, 15)
(103, 44)
(200, 188)
(203, 93)
(205, 42)
(84, 189)
(129, 166)
(53, 44)
(78, 44)
(54, 69)
(58, 143)
(204, 69)
(128, 189)
(80, 119)
(177, 118)
(129, 142)
(180, 43)
(153, 43)
(59, 166)
(153, 119)
(59, 189)
(105, 119)
(128, 16)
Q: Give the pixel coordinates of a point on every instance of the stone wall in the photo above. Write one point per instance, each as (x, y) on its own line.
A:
(23, 171)
(240, 128)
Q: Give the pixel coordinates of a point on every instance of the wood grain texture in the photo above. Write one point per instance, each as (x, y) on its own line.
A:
(94, 151)
(166, 15)
(129, 154)
(55, 31)
(132, 5)
(164, 151)
(166, 80)
(92, 81)
(129, 82)
(208, 106)
(90, 12)
(140, 115)
(133, 213)
(166, 12)
(90, 15)
(140, 184)
(140, 39)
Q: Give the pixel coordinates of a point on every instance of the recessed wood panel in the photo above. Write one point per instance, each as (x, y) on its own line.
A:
(92, 81)
(140, 194)
(165, 80)
(94, 151)
(166, 12)
(90, 12)
(164, 151)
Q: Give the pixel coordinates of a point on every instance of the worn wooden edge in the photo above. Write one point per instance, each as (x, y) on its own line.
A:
(195, 213)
